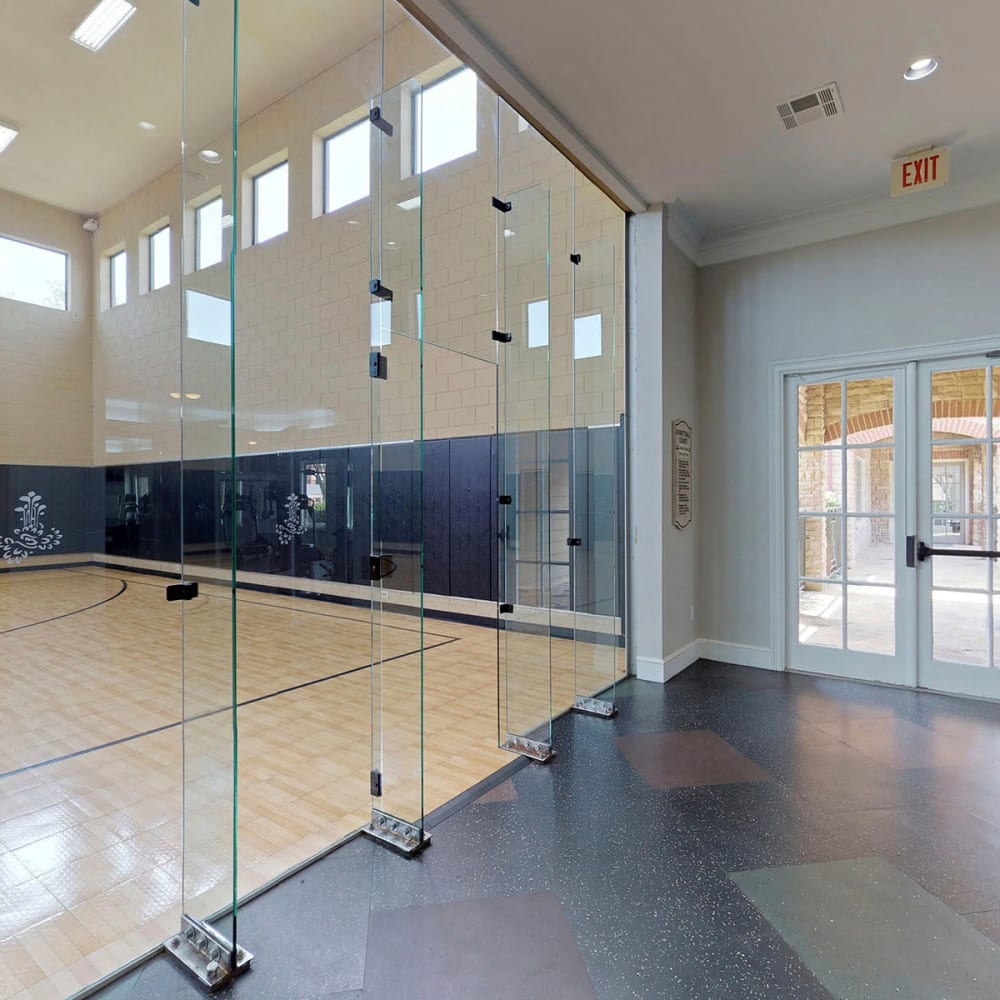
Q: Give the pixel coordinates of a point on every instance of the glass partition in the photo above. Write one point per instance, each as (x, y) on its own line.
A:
(206, 941)
(593, 541)
(525, 710)
(318, 468)
(397, 480)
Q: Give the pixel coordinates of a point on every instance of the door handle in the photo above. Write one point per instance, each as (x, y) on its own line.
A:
(925, 552)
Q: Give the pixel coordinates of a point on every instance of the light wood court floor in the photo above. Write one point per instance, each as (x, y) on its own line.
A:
(91, 751)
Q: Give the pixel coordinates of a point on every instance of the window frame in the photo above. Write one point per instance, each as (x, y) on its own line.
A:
(198, 265)
(326, 140)
(152, 257)
(255, 215)
(416, 119)
(112, 284)
(599, 316)
(66, 273)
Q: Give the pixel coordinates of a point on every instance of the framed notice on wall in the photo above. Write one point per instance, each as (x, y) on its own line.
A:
(682, 473)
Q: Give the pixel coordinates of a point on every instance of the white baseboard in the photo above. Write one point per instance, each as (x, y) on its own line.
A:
(738, 653)
(649, 668)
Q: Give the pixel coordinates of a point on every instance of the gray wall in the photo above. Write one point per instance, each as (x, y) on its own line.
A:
(927, 282)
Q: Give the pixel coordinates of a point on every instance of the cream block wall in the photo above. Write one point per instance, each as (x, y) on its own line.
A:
(302, 301)
(45, 396)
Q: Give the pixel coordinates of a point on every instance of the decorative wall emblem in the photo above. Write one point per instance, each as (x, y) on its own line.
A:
(31, 537)
(293, 523)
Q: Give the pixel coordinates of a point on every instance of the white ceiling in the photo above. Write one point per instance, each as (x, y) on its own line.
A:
(678, 96)
(80, 147)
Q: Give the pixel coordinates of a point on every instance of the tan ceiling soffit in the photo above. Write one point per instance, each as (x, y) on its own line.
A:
(460, 38)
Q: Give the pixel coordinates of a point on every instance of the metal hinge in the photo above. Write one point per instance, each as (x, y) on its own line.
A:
(376, 784)
(574, 541)
(182, 591)
(380, 567)
(576, 257)
(375, 117)
(506, 609)
(378, 365)
(502, 336)
(501, 206)
(504, 499)
(376, 288)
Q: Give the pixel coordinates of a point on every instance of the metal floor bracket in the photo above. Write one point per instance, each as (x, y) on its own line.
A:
(206, 953)
(541, 752)
(594, 706)
(405, 838)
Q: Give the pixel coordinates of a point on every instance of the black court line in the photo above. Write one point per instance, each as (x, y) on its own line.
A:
(69, 614)
(215, 711)
(267, 604)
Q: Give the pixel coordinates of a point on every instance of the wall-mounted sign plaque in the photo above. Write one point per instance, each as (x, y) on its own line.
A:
(682, 473)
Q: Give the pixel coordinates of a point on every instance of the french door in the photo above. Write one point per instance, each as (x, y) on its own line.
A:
(954, 550)
(892, 571)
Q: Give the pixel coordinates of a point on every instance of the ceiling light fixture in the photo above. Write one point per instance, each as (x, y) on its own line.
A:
(101, 23)
(210, 156)
(148, 127)
(920, 69)
(175, 395)
(193, 395)
(8, 133)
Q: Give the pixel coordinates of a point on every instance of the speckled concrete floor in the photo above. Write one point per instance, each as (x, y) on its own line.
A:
(592, 878)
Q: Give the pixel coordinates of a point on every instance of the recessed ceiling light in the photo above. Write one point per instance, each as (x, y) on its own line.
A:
(251, 442)
(193, 395)
(101, 23)
(8, 133)
(391, 244)
(148, 127)
(210, 156)
(410, 204)
(353, 222)
(920, 69)
(175, 395)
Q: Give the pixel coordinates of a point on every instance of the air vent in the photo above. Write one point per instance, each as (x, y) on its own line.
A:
(824, 102)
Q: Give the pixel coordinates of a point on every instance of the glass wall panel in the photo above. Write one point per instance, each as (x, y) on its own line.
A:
(397, 478)
(525, 583)
(204, 402)
(592, 540)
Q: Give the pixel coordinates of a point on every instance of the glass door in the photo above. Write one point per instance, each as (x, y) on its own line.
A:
(524, 463)
(397, 481)
(955, 549)
(592, 539)
(846, 569)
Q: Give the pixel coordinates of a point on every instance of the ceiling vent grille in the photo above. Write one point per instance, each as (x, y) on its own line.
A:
(824, 102)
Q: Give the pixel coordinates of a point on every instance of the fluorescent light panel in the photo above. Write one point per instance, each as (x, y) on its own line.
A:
(101, 23)
(8, 133)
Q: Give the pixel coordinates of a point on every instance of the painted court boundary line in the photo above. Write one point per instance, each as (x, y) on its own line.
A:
(216, 711)
(69, 614)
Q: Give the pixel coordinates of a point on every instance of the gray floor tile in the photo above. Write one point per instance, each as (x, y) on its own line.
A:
(868, 932)
(516, 946)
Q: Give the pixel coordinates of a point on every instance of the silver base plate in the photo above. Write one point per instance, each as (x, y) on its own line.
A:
(406, 838)
(206, 953)
(541, 752)
(594, 706)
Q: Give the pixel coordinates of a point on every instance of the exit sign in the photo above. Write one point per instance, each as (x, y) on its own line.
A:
(919, 172)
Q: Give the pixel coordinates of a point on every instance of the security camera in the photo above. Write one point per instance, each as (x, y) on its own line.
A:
(91, 225)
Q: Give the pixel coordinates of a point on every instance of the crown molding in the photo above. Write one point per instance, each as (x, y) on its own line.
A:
(684, 231)
(847, 219)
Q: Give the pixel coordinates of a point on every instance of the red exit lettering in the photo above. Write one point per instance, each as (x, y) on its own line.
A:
(923, 170)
